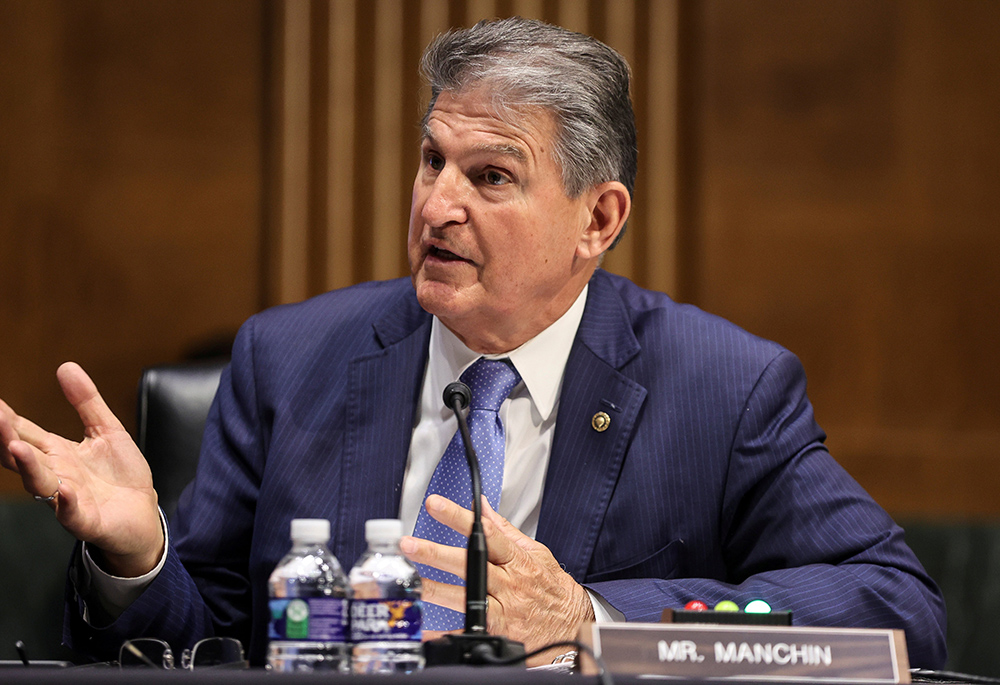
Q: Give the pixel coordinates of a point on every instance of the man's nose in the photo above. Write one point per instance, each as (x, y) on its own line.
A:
(446, 202)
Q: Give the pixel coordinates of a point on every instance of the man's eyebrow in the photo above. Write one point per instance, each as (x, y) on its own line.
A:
(505, 149)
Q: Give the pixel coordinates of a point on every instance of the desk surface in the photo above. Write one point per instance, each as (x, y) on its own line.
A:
(442, 675)
(447, 675)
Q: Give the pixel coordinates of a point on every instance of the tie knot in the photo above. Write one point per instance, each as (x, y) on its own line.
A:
(490, 381)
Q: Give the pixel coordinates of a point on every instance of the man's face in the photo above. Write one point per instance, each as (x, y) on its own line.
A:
(493, 236)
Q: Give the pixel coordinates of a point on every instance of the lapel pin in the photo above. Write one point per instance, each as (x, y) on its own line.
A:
(600, 422)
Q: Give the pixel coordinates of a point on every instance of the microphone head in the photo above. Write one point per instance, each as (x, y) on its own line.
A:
(457, 392)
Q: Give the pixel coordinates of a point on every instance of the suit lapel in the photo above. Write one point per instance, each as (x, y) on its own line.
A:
(383, 393)
(585, 462)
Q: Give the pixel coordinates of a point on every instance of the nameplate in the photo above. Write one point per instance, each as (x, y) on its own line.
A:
(767, 653)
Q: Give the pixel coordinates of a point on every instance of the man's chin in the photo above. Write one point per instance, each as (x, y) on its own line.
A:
(443, 300)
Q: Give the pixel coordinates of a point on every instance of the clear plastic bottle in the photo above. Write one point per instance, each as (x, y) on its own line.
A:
(309, 601)
(386, 613)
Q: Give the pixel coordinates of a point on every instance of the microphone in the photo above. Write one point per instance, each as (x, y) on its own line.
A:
(475, 645)
(457, 397)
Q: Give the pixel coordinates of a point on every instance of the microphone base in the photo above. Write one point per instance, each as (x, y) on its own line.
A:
(475, 649)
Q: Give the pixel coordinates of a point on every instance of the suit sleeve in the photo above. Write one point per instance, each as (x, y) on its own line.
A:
(204, 588)
(800, 533)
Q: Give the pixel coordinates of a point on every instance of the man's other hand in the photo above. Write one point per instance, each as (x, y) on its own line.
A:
(103, 487)
(531, 598)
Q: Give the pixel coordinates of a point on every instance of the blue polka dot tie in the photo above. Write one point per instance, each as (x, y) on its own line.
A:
(490, 381)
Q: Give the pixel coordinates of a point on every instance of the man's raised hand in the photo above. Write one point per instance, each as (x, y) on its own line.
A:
(103, 487)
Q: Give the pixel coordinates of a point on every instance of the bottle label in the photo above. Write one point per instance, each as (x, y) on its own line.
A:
(321, 619)
(373, 620)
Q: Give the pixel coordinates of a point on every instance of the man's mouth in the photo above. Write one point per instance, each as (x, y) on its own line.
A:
(444, 255)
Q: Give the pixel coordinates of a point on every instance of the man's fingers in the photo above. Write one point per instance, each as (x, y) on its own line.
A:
(15, 427)
(444, 557)
(81, 392)
(443, 510)
(38, 479)
(7, 435)
(7, 418)
(499, 532)
(502, 537)
(532, 598)
(443, 594)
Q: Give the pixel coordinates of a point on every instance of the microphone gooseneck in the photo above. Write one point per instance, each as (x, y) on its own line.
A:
(474, 645)
(457, 397)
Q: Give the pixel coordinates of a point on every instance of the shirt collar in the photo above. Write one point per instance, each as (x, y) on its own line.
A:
(540, 361)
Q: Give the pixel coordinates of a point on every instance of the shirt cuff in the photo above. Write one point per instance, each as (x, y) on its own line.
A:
(113, 593)
(604, 612)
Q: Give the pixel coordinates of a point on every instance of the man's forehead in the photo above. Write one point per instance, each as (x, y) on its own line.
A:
(518, 132)
(506, 149)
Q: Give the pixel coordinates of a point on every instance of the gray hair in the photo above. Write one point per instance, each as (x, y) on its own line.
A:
(528, 63)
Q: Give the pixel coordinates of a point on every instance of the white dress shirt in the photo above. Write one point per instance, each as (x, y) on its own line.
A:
(528, 416)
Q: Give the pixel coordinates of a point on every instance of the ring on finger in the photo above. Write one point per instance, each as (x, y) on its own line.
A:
(39, 498)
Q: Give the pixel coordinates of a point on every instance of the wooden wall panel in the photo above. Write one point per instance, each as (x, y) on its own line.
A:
(130, 190)
(841, 162)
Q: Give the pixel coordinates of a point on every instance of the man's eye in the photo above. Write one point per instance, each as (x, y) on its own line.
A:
(495, 178)
(435, 162)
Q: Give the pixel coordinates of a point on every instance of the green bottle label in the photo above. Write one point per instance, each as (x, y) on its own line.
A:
(297, 620)
(312, 618)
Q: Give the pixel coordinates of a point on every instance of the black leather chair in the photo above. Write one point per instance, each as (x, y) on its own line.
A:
(963, 557)
(173, 404)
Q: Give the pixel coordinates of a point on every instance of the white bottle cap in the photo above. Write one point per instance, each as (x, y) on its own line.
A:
(315, 531)
(383, 530)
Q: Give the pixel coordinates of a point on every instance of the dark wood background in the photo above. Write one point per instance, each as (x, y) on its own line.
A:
(840, 184)
(824, 174)
(130, 190)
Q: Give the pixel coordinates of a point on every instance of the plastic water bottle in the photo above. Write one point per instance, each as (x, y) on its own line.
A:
(309, 602)
(386, 613)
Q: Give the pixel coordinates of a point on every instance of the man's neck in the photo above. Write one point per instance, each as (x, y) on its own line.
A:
(500, 337)
(540, 360)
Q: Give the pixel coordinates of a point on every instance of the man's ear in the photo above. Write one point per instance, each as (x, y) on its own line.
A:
(609, 204)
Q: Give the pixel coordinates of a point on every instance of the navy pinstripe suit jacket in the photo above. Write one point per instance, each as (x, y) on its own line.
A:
(711, 482)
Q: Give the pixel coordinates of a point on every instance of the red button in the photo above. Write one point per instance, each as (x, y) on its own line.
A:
(696, 605)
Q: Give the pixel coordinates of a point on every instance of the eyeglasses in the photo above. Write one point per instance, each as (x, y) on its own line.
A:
(212, 652)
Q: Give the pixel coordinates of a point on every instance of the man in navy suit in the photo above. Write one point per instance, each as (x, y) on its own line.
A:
(655, 454)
